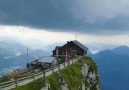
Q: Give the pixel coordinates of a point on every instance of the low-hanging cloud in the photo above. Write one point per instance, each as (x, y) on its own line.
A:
(94, 16)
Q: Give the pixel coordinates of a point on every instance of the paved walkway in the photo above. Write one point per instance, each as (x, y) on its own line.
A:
(39, 76)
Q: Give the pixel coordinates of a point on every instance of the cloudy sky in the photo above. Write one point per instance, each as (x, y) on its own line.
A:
(94, 23)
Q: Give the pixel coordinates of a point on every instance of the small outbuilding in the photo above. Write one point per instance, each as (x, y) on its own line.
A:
(43, 62)
(48, 62)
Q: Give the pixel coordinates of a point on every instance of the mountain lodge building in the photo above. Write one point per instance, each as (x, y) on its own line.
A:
(72, 48)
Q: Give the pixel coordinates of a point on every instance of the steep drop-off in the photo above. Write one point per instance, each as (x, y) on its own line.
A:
(82, 75)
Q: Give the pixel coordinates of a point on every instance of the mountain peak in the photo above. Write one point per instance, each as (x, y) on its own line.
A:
(122, 50)
(105, 52)
(123, 47)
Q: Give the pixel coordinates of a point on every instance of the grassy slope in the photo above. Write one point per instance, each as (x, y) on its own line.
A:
(72, 76)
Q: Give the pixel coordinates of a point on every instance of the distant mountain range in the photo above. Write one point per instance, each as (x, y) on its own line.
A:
(122, 50)
(113, 68)
(14, 54)
(112, 64)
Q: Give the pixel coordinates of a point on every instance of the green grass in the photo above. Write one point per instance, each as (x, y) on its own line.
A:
(71, 74)
(90, 62)
(53, 81)
(36, 85)
(4, 79)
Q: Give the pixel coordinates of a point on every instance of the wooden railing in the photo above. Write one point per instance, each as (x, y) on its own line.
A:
(30, 77)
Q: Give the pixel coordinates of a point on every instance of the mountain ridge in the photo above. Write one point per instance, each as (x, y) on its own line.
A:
(123, 50)
(14, 53)
(113, 68)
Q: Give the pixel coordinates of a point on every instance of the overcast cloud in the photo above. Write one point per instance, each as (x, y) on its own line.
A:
(96, 23)
(103, 10)
(93, 17)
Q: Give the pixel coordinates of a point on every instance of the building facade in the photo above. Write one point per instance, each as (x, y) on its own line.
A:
(43, 63)
(72, 48)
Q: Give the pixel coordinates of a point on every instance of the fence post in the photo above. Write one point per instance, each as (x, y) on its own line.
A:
(59, 67)
(16, 81)
(52, 69)
(33, 77)
(69, 62)
(64, 64)
(44, 73)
